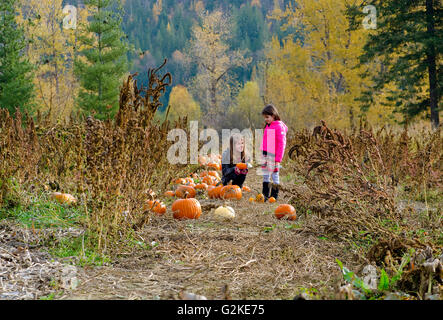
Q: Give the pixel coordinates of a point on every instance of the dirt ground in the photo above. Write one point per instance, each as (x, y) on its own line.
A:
(255, 255)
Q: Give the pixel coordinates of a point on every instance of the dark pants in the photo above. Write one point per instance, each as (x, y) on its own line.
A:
(237, 179)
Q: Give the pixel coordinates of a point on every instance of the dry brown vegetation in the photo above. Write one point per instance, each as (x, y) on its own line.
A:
(350, 191)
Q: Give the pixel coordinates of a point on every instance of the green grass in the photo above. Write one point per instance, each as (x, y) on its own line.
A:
(81, 250)
(44, 213)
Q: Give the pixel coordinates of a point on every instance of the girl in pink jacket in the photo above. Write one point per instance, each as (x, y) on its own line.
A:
(273, 148)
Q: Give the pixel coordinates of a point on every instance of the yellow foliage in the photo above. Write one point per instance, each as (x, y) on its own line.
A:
(213, 85)
(52, 49)
(182, 104)
(319, 79)
(247, 111)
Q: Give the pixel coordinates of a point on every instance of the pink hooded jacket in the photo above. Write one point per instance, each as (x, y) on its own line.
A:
(274, 139)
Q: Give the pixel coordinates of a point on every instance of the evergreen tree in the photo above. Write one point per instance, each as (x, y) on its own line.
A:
(408, 41)
(16, 86)
(104, 62)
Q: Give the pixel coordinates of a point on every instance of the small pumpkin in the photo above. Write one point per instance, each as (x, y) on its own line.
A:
(272, 200)
(246, 189)
(184, 191)
(186, 209)
(63, 198)
(180, 181)
(214, 193)
(242, 165)
(260, 198)
(202, 160)
(203, 174)
(232, 192)
(159, 208)
(201, 186)
(214, 174)
(169, 193)
(224, 212)
(285, 211)
(214, 165)
(251, 199)
(209, 180)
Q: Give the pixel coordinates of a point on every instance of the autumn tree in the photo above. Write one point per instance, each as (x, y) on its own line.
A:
(408, 41)
(246, 112)
(52, 49)
(319, 77)
(213, 84)
(182, 104)
(103, 62)
(16, 88)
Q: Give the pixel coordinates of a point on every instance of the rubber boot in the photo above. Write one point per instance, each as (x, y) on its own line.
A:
(266, 190)
(274, 191)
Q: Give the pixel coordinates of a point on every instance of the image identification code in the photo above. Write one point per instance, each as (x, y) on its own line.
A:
(227, 309)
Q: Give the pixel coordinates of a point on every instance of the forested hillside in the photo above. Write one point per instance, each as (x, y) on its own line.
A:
(161, 29)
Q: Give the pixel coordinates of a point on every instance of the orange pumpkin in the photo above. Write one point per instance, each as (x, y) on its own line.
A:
(63, 197)
(148, 205)
(156, 206)
(242, 165)
(201, 186)
(231, 192)
(180, 181)
(184, 191)
(251, 199)
(272, 200)
(214, 165)
(186, 209)
(209, 180)
(159, 208)
(169, 193)
(214, 174)
(285, 211)
(246, 189)
(203, 174)
(214, 193)
(260, 198)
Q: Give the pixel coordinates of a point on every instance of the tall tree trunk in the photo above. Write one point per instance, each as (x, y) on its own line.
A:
(213, 92)
(432, 69)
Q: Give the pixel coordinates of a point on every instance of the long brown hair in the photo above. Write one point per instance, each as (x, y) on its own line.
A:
(234, 138)
(270, 110)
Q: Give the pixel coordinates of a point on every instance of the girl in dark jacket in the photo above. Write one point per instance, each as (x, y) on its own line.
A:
(231, 158)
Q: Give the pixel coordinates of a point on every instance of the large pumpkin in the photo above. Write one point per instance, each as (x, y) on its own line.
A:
(186, 209)
(185, 192)
(285, 211)
(232, 192)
